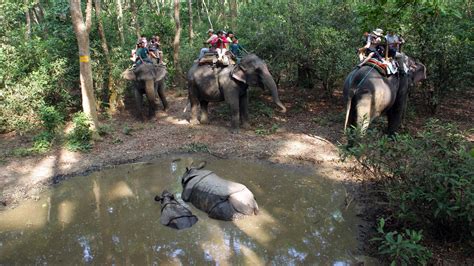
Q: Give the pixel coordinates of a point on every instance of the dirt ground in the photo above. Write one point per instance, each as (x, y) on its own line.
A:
(307, 134)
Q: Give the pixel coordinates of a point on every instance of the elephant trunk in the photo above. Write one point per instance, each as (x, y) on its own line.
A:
(269, 83)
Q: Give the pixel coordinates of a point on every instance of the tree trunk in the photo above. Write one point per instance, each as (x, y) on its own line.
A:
(120, 21)
(135, 24)
(207, 12)
(176, 42)
(28, 25)
(82, 30)
(110, 83)
(233, 14)
(190, 12)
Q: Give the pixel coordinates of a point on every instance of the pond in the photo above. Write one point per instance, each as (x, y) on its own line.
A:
(110, 217)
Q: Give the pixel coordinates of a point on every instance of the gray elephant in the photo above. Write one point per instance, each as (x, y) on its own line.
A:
(149, 79)
(173, 214)
(219, 198)
(368, 94)
(213, 84)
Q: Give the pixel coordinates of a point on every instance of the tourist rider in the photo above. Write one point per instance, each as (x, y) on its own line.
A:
(372, 47)
(220, 44)
(212, 36)
(142, 54)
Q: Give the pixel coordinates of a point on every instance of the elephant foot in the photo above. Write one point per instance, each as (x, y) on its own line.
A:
(245, 125)
(194, 122)
(235, 130)
(204, 121)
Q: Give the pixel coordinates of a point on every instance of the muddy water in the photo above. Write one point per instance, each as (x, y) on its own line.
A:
(110, 217)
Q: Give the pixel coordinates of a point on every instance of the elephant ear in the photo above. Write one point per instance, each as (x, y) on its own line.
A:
(238, 73)
(129, 75)
(160, 72)
(419, 72)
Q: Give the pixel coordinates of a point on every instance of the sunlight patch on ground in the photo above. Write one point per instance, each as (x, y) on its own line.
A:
(308, 146)
(44, 169)
(68, 159)
(175, 121)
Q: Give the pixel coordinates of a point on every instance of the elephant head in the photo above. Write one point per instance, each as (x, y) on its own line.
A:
(148, 79)
(145, 72)
(254, 72)
(416, 72)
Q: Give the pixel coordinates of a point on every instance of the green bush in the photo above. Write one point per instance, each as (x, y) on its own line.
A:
(402, 248)
(428, 178)
(80, 138)
(50, 118)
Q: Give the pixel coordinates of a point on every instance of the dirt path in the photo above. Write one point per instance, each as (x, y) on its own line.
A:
(293, 138)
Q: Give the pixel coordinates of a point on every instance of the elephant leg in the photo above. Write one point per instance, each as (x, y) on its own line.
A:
(138, 97)
(363, 109)
(204, 112)
(395, 114)
(244, 110)
(151, 95)
(193, 100)
(232, 98)
(161, 92)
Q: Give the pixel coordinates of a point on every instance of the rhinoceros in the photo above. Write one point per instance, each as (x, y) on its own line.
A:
(174, 214)
(219, 198)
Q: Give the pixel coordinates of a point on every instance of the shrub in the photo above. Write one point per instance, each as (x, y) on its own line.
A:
(50, 118)
(80, 138)
(402, 248)
(428, 178)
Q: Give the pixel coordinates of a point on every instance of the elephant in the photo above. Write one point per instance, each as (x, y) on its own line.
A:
(368, 94)
(221, 199)
(173, 214)
(149, 79)
(207, 83)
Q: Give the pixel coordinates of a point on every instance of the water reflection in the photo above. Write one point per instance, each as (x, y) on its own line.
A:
(110, 217)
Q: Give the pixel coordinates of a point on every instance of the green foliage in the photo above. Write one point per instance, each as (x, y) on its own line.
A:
(304, 39)
(50, 118)
(402, 248)
(196, 147)
(262, 131)
(428, 178)
(80, 138)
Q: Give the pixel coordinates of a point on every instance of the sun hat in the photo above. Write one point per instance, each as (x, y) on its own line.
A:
(378, 32)
(210, 30)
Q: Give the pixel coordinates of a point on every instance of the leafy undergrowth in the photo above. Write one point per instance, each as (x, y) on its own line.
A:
(425, 185)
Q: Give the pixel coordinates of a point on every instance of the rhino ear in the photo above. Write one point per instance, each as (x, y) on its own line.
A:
(201, 165)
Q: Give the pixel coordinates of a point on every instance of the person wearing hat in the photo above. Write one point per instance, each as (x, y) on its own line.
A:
(374, 40)
(142, 53)
(212, 36)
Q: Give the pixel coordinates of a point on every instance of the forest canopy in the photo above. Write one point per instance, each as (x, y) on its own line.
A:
(309, 44)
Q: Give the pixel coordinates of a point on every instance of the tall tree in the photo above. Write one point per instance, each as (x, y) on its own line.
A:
(176, 42)
(233, 13)
(190, 12)
(82, 29)
(135, 24)
(103, 40)
(120, 21)
(28, 24)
